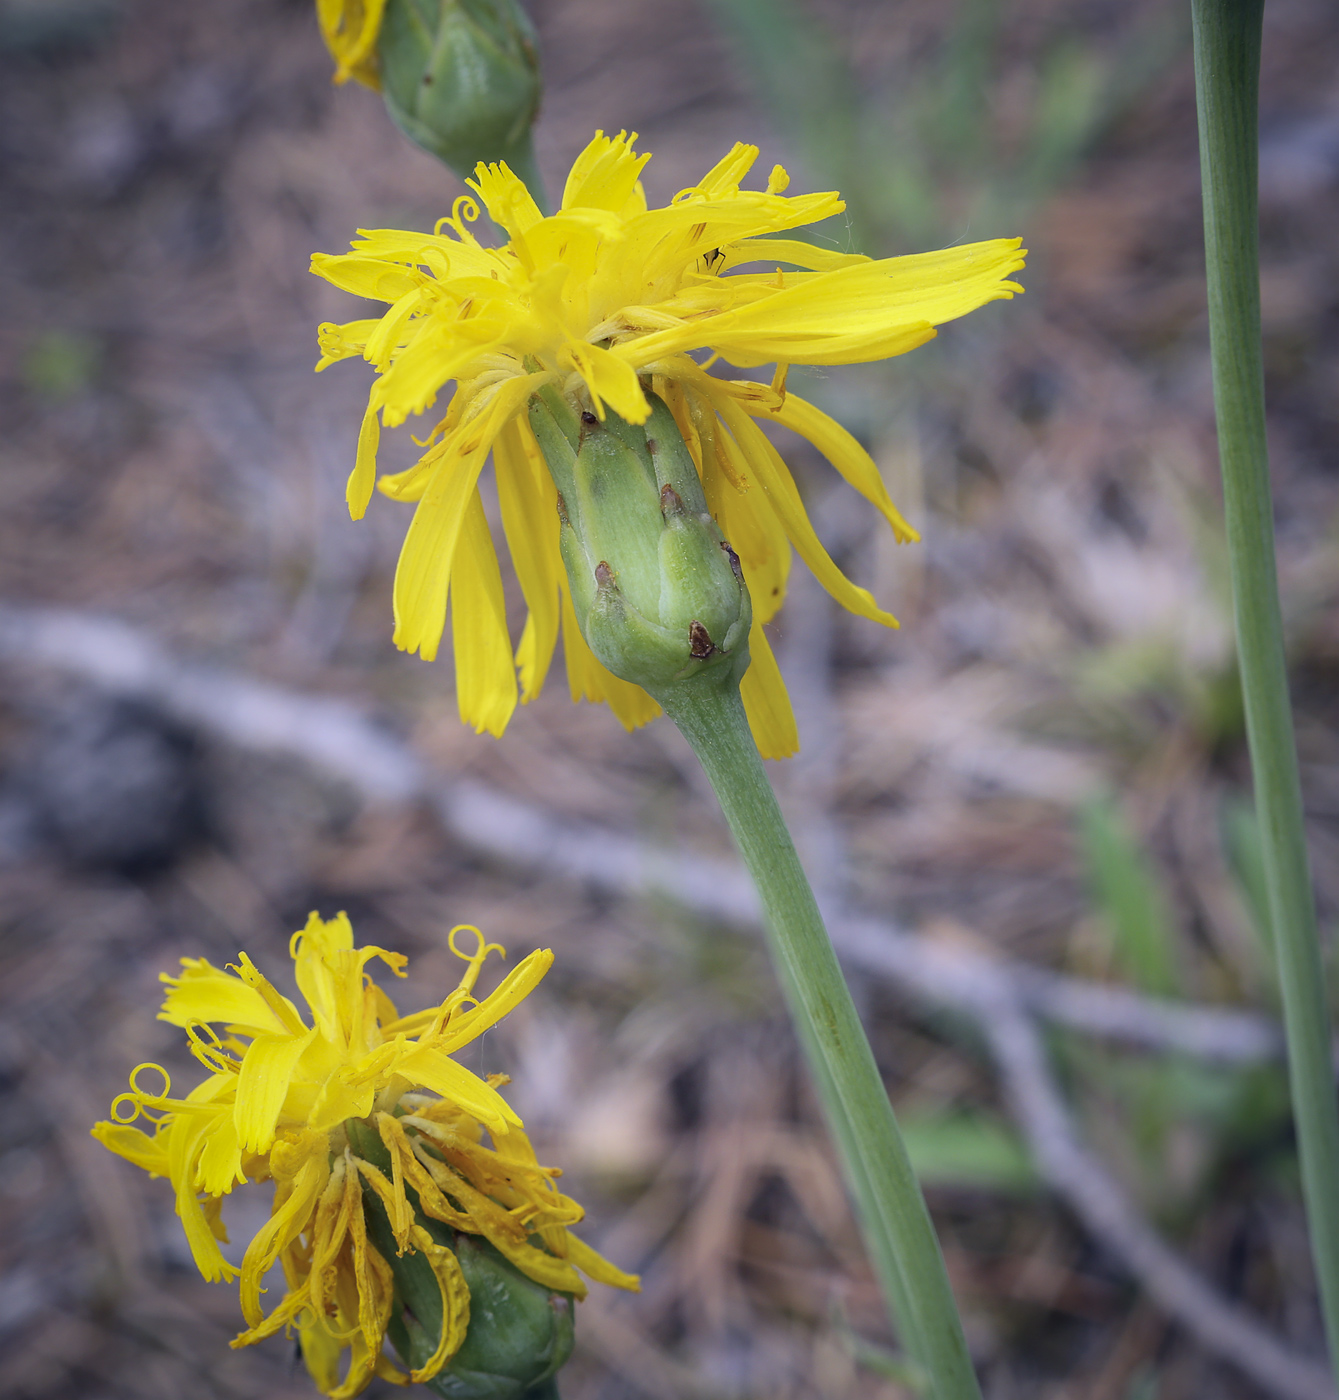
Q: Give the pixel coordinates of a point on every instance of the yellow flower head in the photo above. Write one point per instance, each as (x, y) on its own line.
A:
(290, 1102)
(350, 29)
(606, 296)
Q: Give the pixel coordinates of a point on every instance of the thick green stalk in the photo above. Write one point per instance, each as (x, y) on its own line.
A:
(1227, 77)
(892, 1211)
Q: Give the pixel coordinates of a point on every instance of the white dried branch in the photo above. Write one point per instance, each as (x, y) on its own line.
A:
(342, 741)
(1000, 996)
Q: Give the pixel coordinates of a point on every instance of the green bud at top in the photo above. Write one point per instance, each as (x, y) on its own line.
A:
(461, 78)
(657, 590)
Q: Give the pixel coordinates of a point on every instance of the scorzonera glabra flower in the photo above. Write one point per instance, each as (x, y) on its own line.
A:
(611, 298)
(354, 1102)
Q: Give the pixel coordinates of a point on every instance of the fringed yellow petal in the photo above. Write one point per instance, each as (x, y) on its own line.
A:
(340, 1200)
(410, 484)
(362, 1366)
(611, 381)
(284, 1315)
(605, 174)
(746, 518)
(149, 1153)
(845, 453)
(219, 1168)
(365, 276)
(329, 973)
(391, 330)
(213, 1208)
(722, 180)
(362, 1363)
(787, 250)
(386, 1370)
(509, 203)
(597, 1267)
(206, 993)
(515, 1180)
(284, 1010)
(339, 1097)
(505, 1233)
(320, 1351)
(434, 356)
(300, 1175)
(858, 312)
(455, 1303)
(748, 337)
(545, 1269)
(424, 569)
(186, 1136)
(325, 936)
(262, 1086)
(342, 342)
(506, 997)
(529, 504)
(368, 1278)
(391, 1194)
(485, 669)
(457, 252)
(766, 700)
(774, 477)
(435, 1071)
(434, 1204)
(383, 1007)
(350, 29)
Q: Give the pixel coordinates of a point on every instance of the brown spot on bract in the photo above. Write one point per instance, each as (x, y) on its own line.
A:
(604, 574)
(652, 446)
(588, 418)
(700, 645)
(670, 503)
(735, 566)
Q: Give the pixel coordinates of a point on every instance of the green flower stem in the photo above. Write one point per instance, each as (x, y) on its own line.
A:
(1227, 79)
(892, 1212)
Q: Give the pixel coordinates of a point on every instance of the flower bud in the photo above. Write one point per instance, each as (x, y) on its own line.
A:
(657, 590)
(520, 1333)
(461, 78)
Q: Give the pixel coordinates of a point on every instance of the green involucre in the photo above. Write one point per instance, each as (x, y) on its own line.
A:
(658, 592)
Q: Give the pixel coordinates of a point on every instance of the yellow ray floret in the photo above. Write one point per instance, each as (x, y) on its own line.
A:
(608, 297)
(350, 29)
(283, 1096)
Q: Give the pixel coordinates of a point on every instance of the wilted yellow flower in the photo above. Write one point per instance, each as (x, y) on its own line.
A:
(289, 1102)
(350, 29)
(600, 297)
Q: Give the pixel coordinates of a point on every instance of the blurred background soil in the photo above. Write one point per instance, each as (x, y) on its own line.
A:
(1057, 723)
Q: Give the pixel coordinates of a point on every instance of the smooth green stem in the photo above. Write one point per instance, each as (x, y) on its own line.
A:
(891, 1209)
(1227, 78)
